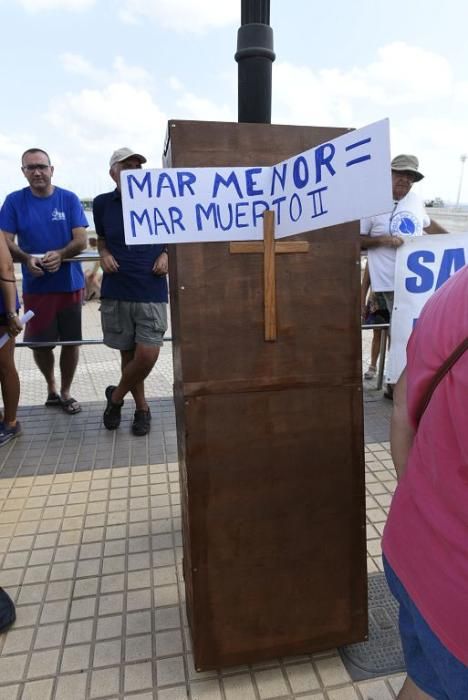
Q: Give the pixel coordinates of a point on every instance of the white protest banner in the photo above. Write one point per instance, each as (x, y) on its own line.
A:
(423, 264)
(341, 180)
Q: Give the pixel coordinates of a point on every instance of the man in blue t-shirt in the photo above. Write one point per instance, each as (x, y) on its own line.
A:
(133, 299)
(50, 226)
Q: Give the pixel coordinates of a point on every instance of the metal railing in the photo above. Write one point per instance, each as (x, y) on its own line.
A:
(82, 257)
(94, 257)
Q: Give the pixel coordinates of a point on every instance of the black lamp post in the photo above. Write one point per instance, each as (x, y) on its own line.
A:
(254, 57)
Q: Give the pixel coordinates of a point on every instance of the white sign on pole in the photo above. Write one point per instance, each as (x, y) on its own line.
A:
(423, 264)
(342, 180)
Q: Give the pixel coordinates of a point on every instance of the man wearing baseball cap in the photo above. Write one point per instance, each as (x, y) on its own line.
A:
(133, 299)
(381, 235)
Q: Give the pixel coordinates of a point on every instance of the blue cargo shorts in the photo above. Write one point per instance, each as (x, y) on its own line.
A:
(428, 663)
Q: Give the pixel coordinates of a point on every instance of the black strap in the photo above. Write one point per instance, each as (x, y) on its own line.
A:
(438, 376)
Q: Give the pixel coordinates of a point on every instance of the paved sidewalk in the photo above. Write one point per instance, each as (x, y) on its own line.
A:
(90, 549)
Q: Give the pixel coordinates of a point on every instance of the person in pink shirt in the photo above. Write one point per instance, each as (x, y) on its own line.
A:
(425, 542)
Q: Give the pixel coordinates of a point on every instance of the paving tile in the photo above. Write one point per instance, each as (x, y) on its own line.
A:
(15, 559)
(55, 611)
(43, 663)
(138, 648)
(18, 640)
(375, 690)
(36, 574)
(178, 693)
(107, 653)
(168, 643)
(113, 583)
(38, 690)
(26, 615)
(71, 686)
(49, 636)
(105, 682)
(111, 604)
(347, 693)
(59, 590)
(302, 677)
(79, 632)
(109, 627)
(271, 683)
(86, 587)
(138, 600)
(12, 577)
(239, 687)
(167, 618)
(205, 690)
(75, 658)
(138, 677)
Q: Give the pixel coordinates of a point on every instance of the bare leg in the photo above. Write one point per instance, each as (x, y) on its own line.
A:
(410, 691)
(375, 347)
(136, 366)
(45, 360)
(68, 362)
(10, 383)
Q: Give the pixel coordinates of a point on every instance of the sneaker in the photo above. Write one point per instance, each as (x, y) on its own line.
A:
(141, 422)
(7, 434)
(371, 372)
(111, 417)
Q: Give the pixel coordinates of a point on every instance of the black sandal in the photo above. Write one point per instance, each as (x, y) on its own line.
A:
(141, 422)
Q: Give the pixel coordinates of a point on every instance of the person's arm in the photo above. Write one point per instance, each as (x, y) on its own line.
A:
(53, 259)
(368, 242)
(33, 264)
(401, 431)
(435, 227)
(365, 285)
(108, 263)
(8, 287)
(160, 266)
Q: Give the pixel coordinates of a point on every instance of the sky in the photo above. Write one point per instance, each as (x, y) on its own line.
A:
(81, 78)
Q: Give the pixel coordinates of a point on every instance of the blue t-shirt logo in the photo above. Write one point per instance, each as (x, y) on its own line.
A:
(404, 223)
(58, 215)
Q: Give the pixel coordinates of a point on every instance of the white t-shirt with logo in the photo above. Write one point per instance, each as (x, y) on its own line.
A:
(408, 218)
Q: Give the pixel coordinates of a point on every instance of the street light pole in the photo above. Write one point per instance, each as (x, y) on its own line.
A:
(255, 57)
(463, 159)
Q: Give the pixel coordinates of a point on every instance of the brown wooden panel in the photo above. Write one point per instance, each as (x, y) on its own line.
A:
(276, 520)
(269, 434)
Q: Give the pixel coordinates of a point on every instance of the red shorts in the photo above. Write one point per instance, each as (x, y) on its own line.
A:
(57, 316)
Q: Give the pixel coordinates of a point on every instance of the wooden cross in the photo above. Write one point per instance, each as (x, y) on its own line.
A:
(269, 247)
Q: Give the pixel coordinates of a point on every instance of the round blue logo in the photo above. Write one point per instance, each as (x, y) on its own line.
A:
(404, 223)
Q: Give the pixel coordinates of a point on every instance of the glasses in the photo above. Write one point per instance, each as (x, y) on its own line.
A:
(33, 167)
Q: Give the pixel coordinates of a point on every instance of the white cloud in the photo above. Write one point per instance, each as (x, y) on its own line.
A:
(401, 76)
(75, 63)
(182, 15)
(119, 72)
(195, 107)
(118, 114)
(414, 87)
(36, 6)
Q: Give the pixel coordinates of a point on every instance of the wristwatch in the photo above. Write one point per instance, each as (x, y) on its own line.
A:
(11, 314)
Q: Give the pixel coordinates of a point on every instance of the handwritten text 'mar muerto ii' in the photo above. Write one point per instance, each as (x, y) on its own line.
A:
(250, 189)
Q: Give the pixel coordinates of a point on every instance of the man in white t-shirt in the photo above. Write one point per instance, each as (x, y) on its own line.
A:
(381, 235)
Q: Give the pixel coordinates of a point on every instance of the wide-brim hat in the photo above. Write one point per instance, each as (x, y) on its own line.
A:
(408, 164)
(123, 153)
